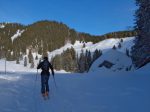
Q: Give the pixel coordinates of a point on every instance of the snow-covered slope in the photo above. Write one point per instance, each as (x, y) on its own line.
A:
(119, 59)
(100, 91)
(104, 46)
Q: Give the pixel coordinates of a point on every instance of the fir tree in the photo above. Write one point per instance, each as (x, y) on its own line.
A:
(84, 45)
(82, 62)
(114, 47)
(36, 57)
(97, 54)
(121, 40)
(140, 52)
(30, 56)
(17, 61)
(88, 60)
(17, 58)
(32, 63)
(127, 53)
(25, 61)
(119, 46)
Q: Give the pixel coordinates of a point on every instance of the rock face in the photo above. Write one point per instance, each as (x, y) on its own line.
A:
(141, 50)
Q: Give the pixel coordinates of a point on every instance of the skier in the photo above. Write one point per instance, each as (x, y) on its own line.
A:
(45, 65)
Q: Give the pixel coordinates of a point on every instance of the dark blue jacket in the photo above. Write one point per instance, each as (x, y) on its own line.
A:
(46, 72)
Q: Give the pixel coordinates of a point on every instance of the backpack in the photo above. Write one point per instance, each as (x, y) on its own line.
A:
(45, 66)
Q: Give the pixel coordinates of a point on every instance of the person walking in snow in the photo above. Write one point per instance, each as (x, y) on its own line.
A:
(45, 65)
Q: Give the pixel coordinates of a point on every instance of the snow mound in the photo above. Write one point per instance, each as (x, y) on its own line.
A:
(116, 59)
(18, 34)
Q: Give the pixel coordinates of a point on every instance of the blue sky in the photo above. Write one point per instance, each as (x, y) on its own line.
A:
(91, 16)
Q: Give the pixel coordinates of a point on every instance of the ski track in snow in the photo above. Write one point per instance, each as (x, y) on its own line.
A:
(93, 92)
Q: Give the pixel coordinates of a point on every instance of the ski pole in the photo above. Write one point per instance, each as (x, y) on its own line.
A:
(54, 81)
(34, 88)
(35, 79)
(36, 75)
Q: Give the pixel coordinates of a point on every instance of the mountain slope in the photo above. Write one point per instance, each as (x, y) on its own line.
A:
(104, 46)
(19, 42)
(44, 36)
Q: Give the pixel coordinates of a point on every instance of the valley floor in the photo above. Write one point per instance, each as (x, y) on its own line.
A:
(101, 91)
